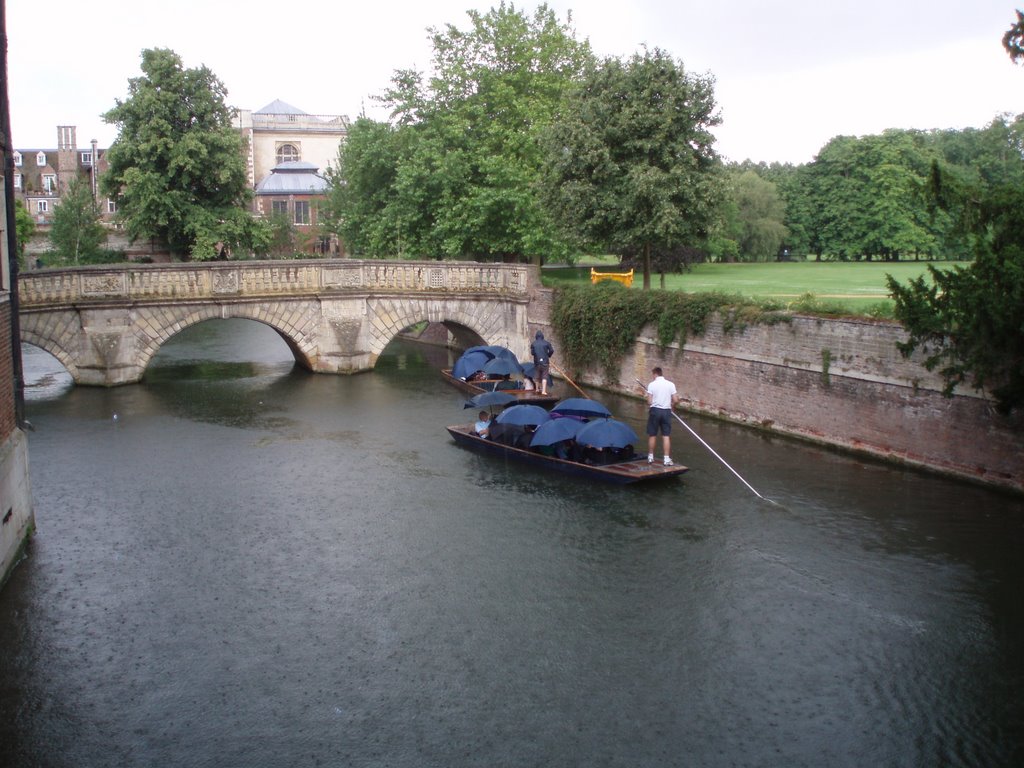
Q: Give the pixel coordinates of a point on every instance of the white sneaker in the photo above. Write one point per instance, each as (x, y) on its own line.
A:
(668, 462)
(650, 458)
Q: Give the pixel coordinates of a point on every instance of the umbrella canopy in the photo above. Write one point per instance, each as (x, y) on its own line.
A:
(607, 433)
(491, 350)
(581, 406)
(523, 415)
(469, 363)
(489, 398)
(555, 431)
(500, 366)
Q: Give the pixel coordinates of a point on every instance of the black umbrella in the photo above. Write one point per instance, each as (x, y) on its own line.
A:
(555, 431)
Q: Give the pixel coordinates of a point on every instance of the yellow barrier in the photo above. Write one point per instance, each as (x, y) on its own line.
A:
(626, 278)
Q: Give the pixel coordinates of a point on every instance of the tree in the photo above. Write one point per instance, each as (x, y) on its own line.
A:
(457, 173)
(1013, 40)
(176, 168)
(76, 232)
(970, 321)
(24, 228)
(755, 217)
(630, 163)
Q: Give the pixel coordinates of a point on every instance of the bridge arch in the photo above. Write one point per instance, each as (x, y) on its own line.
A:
(52, 337)
(171, 324)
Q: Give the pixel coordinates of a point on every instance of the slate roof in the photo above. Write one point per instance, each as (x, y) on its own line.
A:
(293, 178)
(278, 107)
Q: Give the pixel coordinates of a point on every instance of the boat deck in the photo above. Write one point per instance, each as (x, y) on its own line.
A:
(634, 471)
(531, 396)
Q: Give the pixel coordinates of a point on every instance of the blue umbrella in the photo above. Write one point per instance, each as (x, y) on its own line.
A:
(606, 433)
(488, 349)
(581, 406)
(555, 431)
(469, 363)
(523, 415)
(501, 366)
(489, 398)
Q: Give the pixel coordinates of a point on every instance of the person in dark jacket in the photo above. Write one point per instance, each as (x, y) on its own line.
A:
(542, 352)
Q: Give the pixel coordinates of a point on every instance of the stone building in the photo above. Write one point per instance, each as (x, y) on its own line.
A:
(293, 189)
(280, 133)
(42, 174)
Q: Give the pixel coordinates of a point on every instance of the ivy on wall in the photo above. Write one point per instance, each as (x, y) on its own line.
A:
(599, 324)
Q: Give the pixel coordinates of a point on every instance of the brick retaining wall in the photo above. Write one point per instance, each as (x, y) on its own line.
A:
(841, 383)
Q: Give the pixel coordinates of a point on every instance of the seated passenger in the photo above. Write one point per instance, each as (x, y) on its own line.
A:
(483, 424)
(505, 383)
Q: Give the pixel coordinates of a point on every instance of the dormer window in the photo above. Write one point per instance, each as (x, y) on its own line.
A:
(287, 153)
(41, 159)
(17, 158)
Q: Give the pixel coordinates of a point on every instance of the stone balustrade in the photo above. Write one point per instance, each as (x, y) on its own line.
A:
(258, 279)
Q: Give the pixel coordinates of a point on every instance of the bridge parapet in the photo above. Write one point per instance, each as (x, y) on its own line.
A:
(240, 280)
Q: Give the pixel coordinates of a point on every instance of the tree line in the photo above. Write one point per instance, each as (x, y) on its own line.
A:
(521, 144)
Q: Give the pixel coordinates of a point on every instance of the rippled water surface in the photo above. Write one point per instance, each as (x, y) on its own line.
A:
(239, 563)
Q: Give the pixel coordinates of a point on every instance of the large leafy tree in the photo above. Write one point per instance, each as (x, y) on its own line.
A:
(24, 228)
(176, 168)
(77, 233)
(754, 215)
(631, 166)
(456, 174)
(970, 321)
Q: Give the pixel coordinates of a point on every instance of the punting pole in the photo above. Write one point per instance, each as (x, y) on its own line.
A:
(715, 454)
(566, 377)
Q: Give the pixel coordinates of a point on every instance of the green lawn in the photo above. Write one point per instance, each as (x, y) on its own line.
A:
(856, 286)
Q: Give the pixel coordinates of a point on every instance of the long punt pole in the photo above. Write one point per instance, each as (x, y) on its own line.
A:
(716, 455)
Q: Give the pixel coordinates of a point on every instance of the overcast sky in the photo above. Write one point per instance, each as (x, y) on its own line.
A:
(790, 74)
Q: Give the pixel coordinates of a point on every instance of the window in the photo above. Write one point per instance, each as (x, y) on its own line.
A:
(302, 212)
(42, 206)
(111, 206)
(41, 159)
(287, 153)
(279, 207)
(17, 181)
(49, 182)
(17, 158)
(87, 158)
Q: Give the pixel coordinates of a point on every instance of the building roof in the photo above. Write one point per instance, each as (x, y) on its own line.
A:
(278, 107)
(293, 178)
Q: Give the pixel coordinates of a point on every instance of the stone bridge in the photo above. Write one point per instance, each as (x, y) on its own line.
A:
(104, 324)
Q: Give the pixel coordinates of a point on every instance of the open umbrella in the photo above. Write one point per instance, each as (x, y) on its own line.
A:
(555, 431)
(581, 406)
(607, 433)
(523, 415)
(489, 398)
(488, 349)
(501, 366)
(469, 363)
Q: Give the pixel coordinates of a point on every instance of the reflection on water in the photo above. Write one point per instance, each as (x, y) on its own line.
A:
(255, 565)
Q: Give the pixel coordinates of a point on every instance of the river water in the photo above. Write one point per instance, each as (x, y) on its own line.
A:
(239, 563)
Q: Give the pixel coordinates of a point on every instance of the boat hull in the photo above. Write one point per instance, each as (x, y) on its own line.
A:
(624, 473)
(531, 396)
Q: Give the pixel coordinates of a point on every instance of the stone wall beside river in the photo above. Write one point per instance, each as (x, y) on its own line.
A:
(836, 382)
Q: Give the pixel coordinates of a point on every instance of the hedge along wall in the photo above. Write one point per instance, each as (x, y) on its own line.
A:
(841, 383)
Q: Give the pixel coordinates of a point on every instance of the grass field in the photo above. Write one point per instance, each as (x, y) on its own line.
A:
(855, 286)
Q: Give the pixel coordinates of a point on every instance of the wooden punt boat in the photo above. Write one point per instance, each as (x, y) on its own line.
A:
(487, 385)
(636, 470)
